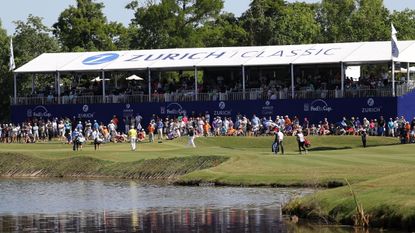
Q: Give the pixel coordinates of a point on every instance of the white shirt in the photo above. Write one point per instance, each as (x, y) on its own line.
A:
(280, 136)
(95, 135)
(300, 137)
(111, 126)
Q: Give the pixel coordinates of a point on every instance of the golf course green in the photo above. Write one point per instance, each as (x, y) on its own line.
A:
(380, 175)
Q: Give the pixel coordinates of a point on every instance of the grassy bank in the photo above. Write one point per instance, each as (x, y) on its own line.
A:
(380, 174)
(388, 201)
(19, 165)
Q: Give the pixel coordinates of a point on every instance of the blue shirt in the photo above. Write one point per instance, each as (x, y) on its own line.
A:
(75, 134)
(160, 125)
(255, 121)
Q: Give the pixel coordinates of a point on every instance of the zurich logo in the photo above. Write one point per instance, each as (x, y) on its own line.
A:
(29, 113)
(127, 106)
(370, 102)
(85, 108)
(100, 59)
(267, 103)
(222, 105)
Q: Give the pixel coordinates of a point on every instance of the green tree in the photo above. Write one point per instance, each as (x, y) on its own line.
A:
(260, 20)
(85, 27)
(171, 23)
(5, 75)
(31, 39)
(335, 19)
(297, 25)
(270, 22)
(404, 22)
(370, 22)
(224, 31)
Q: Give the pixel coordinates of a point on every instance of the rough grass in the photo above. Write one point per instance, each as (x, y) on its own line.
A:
(381, 175)
(13, 165)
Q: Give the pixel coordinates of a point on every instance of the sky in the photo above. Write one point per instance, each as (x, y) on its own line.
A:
(49, 10)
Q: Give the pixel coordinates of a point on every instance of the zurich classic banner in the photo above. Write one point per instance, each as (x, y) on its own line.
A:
(315, 109)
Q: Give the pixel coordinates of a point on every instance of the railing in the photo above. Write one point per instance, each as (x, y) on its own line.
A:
(253, 94)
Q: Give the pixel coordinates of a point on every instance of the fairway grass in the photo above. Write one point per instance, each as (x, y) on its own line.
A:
(381, 174)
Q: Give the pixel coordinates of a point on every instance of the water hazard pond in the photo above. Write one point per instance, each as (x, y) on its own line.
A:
(61, 205)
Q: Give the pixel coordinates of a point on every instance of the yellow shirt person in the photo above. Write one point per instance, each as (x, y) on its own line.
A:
(132, 134)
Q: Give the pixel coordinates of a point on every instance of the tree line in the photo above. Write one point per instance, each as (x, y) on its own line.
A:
(199, 23)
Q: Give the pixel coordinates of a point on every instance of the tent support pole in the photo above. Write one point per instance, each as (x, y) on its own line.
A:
(15, 87)
(58, 76)
(149, 84)
(243, 82)
(196, 93)
(393, 78)
(408, 74)
(33, 84)
(342, 78)
(103, 86)
(116, 81)
(292, 81)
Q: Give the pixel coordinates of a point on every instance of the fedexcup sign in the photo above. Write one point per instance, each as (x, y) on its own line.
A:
(100, 59)
(173, 109)
(38, 111)
(317, 105)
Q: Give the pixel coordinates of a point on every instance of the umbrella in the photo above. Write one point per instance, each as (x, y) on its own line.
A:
(98, 79)
(134, 77)
(403, 70)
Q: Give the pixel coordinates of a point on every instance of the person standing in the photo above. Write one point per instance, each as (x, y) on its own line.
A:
(191, 134)
(35, 133)
(364, 137)
(301, 141)
(160, 126)
(127, 123)
(138, 119)
(97, 139)
(275, 147)
(151, 130)
(75, 142)
(132, 134)
(280, 141)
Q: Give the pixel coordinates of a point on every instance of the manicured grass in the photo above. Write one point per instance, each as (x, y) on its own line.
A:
(331, 159)
(381, 175)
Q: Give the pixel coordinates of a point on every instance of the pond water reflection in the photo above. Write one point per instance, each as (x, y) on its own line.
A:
(60, 205)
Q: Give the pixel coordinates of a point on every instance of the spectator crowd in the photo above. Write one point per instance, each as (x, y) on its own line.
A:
(168, 128)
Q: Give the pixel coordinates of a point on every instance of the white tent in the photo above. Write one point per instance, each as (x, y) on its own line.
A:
(343, 54)
(188, 58)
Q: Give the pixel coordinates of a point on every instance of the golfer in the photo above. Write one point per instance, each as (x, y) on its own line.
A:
(191, 137)
(301, 141)
(364, 138)
(280, 140)
(132, 134)
(97, 138)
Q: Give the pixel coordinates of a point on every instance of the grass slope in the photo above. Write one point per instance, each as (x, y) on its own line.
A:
(251, 163)
(381, 175)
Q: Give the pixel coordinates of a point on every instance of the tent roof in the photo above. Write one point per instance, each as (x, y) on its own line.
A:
(349, 53)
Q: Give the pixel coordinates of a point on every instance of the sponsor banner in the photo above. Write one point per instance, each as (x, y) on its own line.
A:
(315, 109)
(406, 106)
